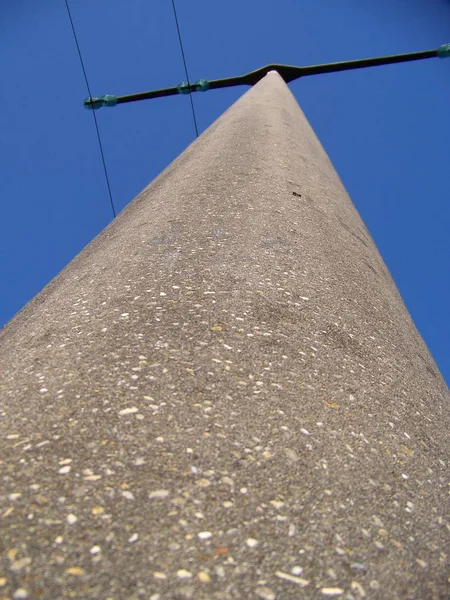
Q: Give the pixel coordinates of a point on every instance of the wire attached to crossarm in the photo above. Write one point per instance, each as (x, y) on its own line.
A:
(185, 67)
(95, 118)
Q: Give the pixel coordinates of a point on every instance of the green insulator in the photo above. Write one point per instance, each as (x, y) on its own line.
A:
(109, 100)
(444, 51)
(184, 88)
(93, 103)
(201, 85)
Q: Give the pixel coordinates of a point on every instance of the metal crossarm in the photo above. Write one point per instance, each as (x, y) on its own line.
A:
(288, 73)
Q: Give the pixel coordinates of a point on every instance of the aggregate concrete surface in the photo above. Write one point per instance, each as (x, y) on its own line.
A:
(223, 396)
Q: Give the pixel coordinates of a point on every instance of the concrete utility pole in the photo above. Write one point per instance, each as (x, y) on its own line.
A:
(223, 396)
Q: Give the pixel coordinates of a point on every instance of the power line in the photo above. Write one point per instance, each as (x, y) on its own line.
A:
(93, 113)
(185, 66)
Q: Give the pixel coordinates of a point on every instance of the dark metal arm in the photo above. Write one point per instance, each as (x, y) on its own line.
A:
(288, 73)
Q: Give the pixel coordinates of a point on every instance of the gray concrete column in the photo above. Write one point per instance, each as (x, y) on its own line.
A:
(223, 396)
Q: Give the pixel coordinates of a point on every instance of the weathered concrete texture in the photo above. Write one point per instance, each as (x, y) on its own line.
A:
(223, 397)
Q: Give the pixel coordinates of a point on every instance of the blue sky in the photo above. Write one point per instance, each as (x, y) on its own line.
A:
(385, 129)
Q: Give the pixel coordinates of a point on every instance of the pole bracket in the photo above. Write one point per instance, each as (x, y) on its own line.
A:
(95, 103)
